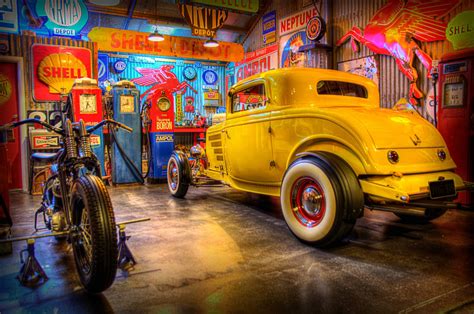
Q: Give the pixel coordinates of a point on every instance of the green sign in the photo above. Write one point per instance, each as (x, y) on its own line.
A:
(460, 30)
(237, 5)
(63, 17)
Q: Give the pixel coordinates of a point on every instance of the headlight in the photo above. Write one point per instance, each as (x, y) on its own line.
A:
(441, 154)
(393, 156)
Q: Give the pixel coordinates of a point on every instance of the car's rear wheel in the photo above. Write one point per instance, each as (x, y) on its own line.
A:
(178, 175)
(321, 199)
(429, 214)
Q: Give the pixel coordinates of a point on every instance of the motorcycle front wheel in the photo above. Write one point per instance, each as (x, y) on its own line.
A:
(94, 237)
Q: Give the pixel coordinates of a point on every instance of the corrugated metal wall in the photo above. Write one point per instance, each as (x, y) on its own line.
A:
(20, 46)
(393, 84)
(146, 61)
(316, 58)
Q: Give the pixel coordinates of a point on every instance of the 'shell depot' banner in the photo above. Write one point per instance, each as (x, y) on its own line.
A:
(56, 67)
(116, 40)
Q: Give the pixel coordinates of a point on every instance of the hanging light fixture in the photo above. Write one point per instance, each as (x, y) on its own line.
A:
(211, 43)
(155, 36)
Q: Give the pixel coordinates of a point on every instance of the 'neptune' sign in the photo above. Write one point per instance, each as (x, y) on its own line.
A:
(65, 17)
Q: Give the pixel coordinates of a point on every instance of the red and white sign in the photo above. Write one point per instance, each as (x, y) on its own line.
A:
(56, 67)
(256, 62)
(296, 21)
(45, 141)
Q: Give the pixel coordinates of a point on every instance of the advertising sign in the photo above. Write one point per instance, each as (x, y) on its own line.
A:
(116, 40)
(56, 67)
(256, 62)
(204, 22)
(5, 89)
(460, 30)
(64, 17)
(8, 16)
(289, 50)
(269, 27)
(296, 21)
(239, 5)
(45, 141)
(103, 66)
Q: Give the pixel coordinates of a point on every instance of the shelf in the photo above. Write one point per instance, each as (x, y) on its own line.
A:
(189, 130)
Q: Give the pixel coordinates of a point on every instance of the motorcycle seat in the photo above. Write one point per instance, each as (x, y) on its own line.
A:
(45, 157)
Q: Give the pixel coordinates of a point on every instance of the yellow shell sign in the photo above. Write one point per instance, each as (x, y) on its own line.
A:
(59, 70)
(5, 89)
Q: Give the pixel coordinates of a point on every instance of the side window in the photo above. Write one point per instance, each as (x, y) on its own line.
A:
(252, 98)
(341, 89)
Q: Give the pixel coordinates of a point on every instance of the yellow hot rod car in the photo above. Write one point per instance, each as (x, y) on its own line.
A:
(319, 140)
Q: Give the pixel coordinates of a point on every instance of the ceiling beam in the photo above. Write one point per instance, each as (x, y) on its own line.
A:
(160, 19)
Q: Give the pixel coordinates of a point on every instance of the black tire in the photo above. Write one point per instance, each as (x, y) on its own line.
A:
(178, 174)
(321, 199)
(95, 245)
(430, 214)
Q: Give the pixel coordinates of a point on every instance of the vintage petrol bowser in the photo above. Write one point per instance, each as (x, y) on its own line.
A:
(127, 147)
(87, 105)
(161, 113)
(456, 114)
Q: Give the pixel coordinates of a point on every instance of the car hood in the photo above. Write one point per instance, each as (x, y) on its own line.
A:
(392, 129)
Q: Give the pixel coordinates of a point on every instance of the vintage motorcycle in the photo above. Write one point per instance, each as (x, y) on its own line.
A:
(76, 203)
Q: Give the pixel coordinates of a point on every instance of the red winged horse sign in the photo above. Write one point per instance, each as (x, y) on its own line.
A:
(392, 31)
(162, 79)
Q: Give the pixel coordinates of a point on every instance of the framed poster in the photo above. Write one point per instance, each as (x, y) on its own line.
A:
(366, 67)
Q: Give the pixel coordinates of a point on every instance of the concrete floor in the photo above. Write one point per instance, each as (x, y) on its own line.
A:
(220, 250)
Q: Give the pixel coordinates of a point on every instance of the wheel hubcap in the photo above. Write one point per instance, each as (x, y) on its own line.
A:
(173, 175)
(308, 202)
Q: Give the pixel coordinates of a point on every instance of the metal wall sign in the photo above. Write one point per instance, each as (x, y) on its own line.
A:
(237, 5)
(269, 27)
(8, 17)
(204, 22)
(64, 17)
(460, 30)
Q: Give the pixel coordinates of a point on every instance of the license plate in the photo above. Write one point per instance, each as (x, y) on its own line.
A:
(442, 188)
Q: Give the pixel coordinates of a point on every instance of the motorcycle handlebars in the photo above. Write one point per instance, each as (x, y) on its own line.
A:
(61, 131)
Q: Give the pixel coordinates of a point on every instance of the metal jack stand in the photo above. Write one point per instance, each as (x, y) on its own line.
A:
(126, 261)
(31, 272)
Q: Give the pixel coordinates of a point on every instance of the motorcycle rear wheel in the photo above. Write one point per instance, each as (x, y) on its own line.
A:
(95, 240)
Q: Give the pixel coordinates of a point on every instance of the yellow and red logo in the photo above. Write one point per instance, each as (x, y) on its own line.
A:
(5, 89)
(56, 67)
(59, 70)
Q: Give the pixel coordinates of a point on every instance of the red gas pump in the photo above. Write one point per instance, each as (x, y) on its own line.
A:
(86, 104)
(456, 114)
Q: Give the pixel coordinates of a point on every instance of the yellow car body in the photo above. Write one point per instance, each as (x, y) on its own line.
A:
(252, 149)
(319, 140)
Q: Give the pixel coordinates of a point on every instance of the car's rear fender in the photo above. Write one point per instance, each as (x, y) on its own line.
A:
(332, 145)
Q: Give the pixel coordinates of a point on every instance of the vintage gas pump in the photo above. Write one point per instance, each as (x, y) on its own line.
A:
(126, 152)
(456, 114)
(161, 113)
(86, 104)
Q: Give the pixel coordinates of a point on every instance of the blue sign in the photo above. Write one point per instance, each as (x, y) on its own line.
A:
(8, 16)
(210, 77)
(120, 66)
(103, 65)
(63, 17)
(269, 27)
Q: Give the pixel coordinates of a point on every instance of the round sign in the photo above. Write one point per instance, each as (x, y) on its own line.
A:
(315, 28)
(102, 69)
(120, 66)
(163, 104)
(190, 73)
(209, 77)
